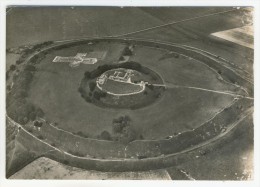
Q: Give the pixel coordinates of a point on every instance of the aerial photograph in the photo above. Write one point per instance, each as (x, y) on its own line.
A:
(129, 93)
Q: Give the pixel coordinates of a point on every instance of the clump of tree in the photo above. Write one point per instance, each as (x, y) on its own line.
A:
(123, 131)
(99, 94)
(38, 123)
(29, 50)
(30, 67)
(37, 58)
(41, 45)
(18, 106)
(120, 123)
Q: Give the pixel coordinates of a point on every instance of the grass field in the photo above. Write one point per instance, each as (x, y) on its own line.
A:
(65, 106)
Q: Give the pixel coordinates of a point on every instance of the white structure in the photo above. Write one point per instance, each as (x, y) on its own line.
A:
(102, 79)
(76, 60)
(125, 78)
(120, 75)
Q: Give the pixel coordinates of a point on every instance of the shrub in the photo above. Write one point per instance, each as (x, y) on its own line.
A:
(53, 144)
(40, 137)
(150, 86)
(121, 58)
(141, 157)
(127, 52)
(176, 55)
(19, 61)
(105, 135)
(82, 134)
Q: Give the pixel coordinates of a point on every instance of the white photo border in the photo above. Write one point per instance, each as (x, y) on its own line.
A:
(128, 183)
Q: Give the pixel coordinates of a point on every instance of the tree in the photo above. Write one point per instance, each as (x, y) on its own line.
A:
(19, 61)
(120, 123)
(92, 86)
(105, 135)
(40, 137)
(121, 58)
(87, 74)
(96, 95)
(29, 67)
(127, 52)
(130, 134)
(118, 127)
(37, 124)
(13, 67)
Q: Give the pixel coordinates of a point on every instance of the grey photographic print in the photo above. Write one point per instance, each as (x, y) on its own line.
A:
(160, 93)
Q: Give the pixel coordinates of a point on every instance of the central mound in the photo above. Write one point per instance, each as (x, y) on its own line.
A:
(126, 85)
(118, 82)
